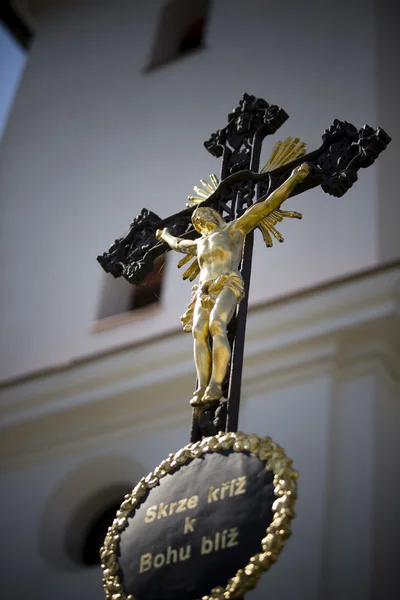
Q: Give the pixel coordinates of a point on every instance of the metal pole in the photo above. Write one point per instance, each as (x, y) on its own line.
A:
(235, 380)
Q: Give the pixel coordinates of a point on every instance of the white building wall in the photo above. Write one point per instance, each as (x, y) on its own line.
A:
(92, 139)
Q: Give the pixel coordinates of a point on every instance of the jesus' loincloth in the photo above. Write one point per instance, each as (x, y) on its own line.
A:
(208, 294)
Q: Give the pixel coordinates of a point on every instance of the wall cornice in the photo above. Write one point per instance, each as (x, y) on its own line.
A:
(333, 329)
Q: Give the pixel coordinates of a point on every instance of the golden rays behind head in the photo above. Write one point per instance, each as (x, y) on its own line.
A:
(203, 192)
(282, 153)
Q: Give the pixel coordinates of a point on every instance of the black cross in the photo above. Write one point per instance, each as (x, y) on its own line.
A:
(335, 164)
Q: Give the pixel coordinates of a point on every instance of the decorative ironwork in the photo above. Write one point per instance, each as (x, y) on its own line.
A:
(334, 166)
(253, 118)
(344, 151)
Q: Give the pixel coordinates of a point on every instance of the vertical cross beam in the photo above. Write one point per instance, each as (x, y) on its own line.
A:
(239, 144)
(236, 367)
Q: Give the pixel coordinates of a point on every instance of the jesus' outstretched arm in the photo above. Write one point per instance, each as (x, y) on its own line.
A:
(184, 246)
(253, 215)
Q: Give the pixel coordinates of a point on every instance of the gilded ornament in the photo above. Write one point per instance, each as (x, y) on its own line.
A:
(216, 257)
(271, 545)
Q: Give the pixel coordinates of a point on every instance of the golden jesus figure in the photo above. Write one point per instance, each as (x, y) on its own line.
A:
(221, 286)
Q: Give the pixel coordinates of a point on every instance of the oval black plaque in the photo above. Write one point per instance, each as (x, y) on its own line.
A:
(205, 523)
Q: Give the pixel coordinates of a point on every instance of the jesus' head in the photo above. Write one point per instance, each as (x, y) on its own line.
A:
(206, 219)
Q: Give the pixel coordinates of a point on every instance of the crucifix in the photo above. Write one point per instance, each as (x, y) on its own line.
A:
(237, 491)
(216, 230)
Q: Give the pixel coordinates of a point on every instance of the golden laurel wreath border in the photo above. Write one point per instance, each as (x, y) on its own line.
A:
(271, 545)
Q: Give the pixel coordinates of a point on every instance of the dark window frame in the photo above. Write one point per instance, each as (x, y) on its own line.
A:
(119, 299)
(15, 25)
(177, 19)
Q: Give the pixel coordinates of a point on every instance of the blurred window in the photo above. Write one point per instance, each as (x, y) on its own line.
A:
(12, 63)
(15, 38)
(87, 526)
(94, 538)
(119, 297)
(150, 290)
(192, 37)
(181, 30)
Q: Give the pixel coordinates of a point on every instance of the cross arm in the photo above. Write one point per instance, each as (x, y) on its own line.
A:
(133, 255)
(335, 165)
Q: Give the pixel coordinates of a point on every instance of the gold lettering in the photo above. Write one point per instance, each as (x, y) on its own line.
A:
(216, 541)
(232, 537)
(181, 505)
(151, 514)
(159, 560)
(171, 507)
(189, 525)
(162, 511)
(223, 539)
(145, 562)
(206, 545)
(184, 555)
(224, 488)
(213, 494)
(166, 509)
(192, 502)
(172, 555)
(241, 486)
(220, 541)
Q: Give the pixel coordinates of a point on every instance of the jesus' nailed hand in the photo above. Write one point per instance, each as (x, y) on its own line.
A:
(221, 287)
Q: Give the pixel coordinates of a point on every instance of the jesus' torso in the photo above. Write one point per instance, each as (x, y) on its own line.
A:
(219, 253)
